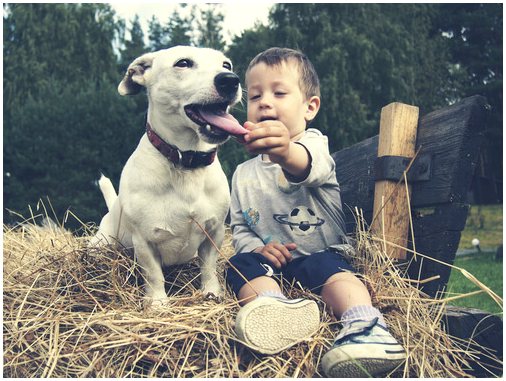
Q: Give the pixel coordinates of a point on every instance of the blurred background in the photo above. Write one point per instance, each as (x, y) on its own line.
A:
(65, 123)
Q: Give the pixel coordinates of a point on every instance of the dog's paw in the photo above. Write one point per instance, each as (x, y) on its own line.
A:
(212, 296)
(156, 304)
(213, 293)
(212, 289)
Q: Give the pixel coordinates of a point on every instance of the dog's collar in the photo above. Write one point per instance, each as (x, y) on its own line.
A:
(186, 159)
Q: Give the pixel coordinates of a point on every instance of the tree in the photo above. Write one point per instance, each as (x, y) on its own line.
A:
(62, 142)
(474, 36)
(59, 97)
(47, 41)
(134, 47)
(179, 28)
(210, 27)
(157, 35)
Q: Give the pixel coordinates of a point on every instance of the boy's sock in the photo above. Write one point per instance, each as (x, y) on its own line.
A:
(364, 312)
(272, 293)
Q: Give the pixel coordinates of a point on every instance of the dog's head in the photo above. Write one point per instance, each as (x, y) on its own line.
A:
(191, 87)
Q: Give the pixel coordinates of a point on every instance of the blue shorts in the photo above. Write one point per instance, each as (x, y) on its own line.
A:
(311, 271)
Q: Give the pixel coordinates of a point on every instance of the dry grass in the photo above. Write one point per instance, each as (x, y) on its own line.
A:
(71, 312)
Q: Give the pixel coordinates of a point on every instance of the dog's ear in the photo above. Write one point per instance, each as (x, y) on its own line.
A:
(134, 80)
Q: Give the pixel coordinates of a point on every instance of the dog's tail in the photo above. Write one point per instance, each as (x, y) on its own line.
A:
(107, 190)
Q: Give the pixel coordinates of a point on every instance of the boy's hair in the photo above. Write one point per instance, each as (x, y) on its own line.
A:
(308, 80)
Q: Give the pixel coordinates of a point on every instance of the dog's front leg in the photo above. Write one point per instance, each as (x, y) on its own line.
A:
(208, 255)
(151, 267)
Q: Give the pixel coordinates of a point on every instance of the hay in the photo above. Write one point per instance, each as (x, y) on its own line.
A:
(71, 312)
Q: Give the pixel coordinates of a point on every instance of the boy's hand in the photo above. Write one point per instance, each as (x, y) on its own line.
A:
(270, 137)
(277, 253)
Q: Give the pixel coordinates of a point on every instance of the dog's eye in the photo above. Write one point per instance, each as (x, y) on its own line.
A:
(227, 65)
(184, 63)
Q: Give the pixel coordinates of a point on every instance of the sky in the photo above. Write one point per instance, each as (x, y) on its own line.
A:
(239, 15)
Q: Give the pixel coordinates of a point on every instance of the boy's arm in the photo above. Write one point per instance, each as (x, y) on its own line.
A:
(243, 238)
(321, 166)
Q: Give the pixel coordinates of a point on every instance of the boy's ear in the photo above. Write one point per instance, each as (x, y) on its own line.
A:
(313, 105)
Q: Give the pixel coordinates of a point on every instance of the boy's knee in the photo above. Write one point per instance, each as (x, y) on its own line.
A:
(343, 277)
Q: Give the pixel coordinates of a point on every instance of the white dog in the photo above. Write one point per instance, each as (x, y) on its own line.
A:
(173, 182)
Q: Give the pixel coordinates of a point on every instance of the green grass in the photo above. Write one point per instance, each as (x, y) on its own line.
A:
(488, 271)
(485, 223)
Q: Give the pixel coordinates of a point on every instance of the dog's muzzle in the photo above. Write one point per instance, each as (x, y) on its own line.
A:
(215, 123)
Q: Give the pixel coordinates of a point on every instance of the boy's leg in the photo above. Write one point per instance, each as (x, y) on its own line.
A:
(343, 291)
(261, 286)
(363, 347)
(268, 322)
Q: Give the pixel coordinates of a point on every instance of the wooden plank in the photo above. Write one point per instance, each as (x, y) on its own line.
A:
(449, 217)
(452, 136)
(397, 137)
(437, 235)
(482, 334)
(442, 247)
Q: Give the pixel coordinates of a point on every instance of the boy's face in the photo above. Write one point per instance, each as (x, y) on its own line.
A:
(274, 93)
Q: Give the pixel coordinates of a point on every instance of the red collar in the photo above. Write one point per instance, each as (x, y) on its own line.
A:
(186, 159)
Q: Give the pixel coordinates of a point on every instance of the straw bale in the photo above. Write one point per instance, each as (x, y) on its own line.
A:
(73, 312)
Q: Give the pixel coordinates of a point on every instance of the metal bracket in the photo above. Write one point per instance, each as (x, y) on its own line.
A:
(392, 168)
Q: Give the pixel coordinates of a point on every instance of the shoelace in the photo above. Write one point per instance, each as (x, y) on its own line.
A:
(356, 328)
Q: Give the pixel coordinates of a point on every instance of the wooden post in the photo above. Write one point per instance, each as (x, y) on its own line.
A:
(397, 137)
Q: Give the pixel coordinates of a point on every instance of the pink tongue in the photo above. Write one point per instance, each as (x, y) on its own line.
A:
(225, 122)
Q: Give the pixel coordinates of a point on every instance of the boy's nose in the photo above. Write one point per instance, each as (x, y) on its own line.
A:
(265, 102)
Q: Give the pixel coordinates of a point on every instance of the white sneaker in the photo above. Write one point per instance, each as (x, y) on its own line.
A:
(269, 325)
(363, 349)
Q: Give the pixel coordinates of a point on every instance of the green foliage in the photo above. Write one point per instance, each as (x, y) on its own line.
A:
(210, 28)
(46, 41)
(177, 30)
(134, 47)
(60, 144)
(474, 33)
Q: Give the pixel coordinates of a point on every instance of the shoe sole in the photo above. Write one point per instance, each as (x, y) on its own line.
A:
(352, 362)
(268, 327)
(362, 368)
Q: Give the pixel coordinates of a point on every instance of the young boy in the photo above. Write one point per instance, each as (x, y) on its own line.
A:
(287, 219)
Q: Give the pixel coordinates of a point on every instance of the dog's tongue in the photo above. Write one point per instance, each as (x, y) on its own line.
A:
(223, 121)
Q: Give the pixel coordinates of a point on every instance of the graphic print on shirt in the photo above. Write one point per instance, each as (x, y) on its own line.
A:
(251, 216)
(301, 220)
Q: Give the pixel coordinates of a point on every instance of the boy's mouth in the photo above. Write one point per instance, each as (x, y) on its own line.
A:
(264, 118)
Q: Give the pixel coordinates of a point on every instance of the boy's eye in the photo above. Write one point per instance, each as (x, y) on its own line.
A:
(253, 97)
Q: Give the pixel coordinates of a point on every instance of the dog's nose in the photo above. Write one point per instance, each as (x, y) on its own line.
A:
(226, 84)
